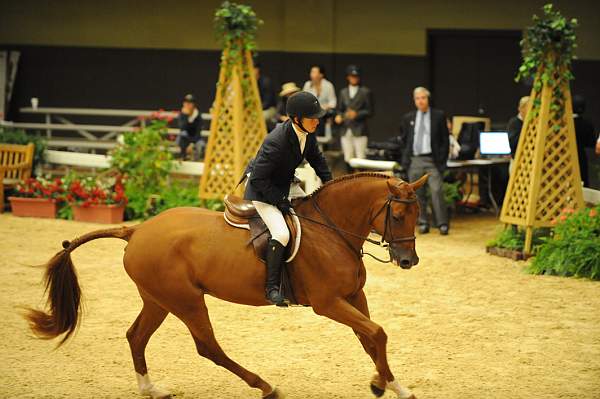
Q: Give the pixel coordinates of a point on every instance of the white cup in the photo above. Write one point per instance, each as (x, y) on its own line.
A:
(34, 102)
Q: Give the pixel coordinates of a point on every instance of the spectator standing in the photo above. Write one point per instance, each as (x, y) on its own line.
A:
(354, 107)
(266, 92)
(584, 133)
(426, 151)
(189, 128)
(323, 89)
(515, 124)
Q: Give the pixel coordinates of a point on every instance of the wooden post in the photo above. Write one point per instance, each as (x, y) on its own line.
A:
(237, 128)
(545, 176)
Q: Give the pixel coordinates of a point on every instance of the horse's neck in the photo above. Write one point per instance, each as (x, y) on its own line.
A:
(348, 204)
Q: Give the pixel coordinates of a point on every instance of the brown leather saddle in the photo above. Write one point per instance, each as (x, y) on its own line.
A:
(242, 214)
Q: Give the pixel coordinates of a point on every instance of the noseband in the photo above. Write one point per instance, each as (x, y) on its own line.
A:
(387, 229)
(389, 216)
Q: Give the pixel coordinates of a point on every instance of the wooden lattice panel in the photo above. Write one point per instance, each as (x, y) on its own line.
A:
(237, 129)
(545, 175)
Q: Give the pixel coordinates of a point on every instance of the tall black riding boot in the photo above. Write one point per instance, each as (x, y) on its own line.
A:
(275, 254)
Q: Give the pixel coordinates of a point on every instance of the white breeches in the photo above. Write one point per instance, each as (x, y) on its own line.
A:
(274, 221)
(353, 146)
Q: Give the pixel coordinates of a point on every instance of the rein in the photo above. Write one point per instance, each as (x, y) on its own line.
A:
(387, 227)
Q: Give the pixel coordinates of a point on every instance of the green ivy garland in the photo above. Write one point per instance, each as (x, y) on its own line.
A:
(235, 27)
(548, 47)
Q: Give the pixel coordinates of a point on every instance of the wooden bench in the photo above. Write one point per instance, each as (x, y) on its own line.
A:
(15, 165)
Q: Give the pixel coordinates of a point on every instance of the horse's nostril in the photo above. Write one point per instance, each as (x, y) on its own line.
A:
(404, 262)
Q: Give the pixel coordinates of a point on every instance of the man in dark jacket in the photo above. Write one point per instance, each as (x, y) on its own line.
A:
(354, 107)
(585, 136)
(515, 124)
(426, 151)
(266, 92)
(189, 128)
(272, 173)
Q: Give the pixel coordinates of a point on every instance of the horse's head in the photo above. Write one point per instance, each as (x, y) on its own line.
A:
(395, 218)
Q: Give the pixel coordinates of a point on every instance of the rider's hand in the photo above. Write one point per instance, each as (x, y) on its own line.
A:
(339, 119)
(284, 206)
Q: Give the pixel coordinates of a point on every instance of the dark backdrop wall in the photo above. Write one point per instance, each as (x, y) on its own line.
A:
(154, 78)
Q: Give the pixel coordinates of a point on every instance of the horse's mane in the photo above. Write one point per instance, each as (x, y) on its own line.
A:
(347, 178)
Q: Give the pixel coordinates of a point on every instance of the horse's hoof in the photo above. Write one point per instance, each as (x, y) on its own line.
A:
(377, 391)
(157, 393)
(275, 394)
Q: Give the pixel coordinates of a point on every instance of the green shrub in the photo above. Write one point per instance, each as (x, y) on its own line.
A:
(19, 136)
(513, 238)
(452, 192)
(145, 161)
(574, 248)
(183, 193)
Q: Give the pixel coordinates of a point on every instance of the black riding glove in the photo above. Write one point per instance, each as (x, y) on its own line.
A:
(284, 206)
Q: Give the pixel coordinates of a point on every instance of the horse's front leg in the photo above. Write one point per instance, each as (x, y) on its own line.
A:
(375, 337)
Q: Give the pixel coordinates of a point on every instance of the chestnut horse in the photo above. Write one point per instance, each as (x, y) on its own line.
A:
(182, 254)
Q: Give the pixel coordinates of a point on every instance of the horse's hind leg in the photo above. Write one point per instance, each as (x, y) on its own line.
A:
(150, 318)
(198, 322)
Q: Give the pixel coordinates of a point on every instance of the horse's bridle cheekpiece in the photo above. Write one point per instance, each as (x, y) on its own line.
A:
(387, 227)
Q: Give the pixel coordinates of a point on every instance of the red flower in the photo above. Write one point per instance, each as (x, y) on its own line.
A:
(563, 218)
(593, 213)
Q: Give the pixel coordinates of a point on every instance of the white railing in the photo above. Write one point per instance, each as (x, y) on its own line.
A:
(67, 158)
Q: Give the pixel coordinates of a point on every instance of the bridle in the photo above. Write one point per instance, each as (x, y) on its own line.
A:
(387, 227)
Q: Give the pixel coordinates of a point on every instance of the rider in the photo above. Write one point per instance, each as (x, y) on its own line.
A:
(272, 173)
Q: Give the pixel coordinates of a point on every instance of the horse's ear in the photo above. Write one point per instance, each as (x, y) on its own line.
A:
(395, 187)
(420, 183)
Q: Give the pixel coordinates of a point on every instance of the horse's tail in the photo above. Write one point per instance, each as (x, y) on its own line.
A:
(63, 289)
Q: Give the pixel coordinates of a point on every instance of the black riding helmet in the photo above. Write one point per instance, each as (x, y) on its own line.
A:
(303, 105)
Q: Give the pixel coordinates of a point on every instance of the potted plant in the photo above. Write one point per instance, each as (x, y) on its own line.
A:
(97, 200)
(37, 197)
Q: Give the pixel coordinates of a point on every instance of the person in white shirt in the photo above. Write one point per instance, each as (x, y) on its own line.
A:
(325, 92)
(321, 87)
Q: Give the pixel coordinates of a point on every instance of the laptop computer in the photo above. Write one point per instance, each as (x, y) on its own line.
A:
(494, 144)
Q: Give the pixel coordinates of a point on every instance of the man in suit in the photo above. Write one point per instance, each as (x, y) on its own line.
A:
(354, 107)
(272, 173)
(426, 151)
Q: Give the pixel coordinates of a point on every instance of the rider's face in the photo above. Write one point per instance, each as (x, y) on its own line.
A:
(310, 124)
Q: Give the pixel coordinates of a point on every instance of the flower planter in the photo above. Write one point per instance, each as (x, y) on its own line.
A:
(33, 207)
(508, 253)
(99, 213)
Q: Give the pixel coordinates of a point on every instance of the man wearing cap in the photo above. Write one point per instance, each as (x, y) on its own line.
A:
(189, 127)
(272, 173)
(354, 107)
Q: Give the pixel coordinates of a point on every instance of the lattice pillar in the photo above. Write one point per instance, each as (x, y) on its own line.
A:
(545, 174)
(237, 128)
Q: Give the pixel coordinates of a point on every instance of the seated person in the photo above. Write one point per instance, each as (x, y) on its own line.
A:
(189, 128)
